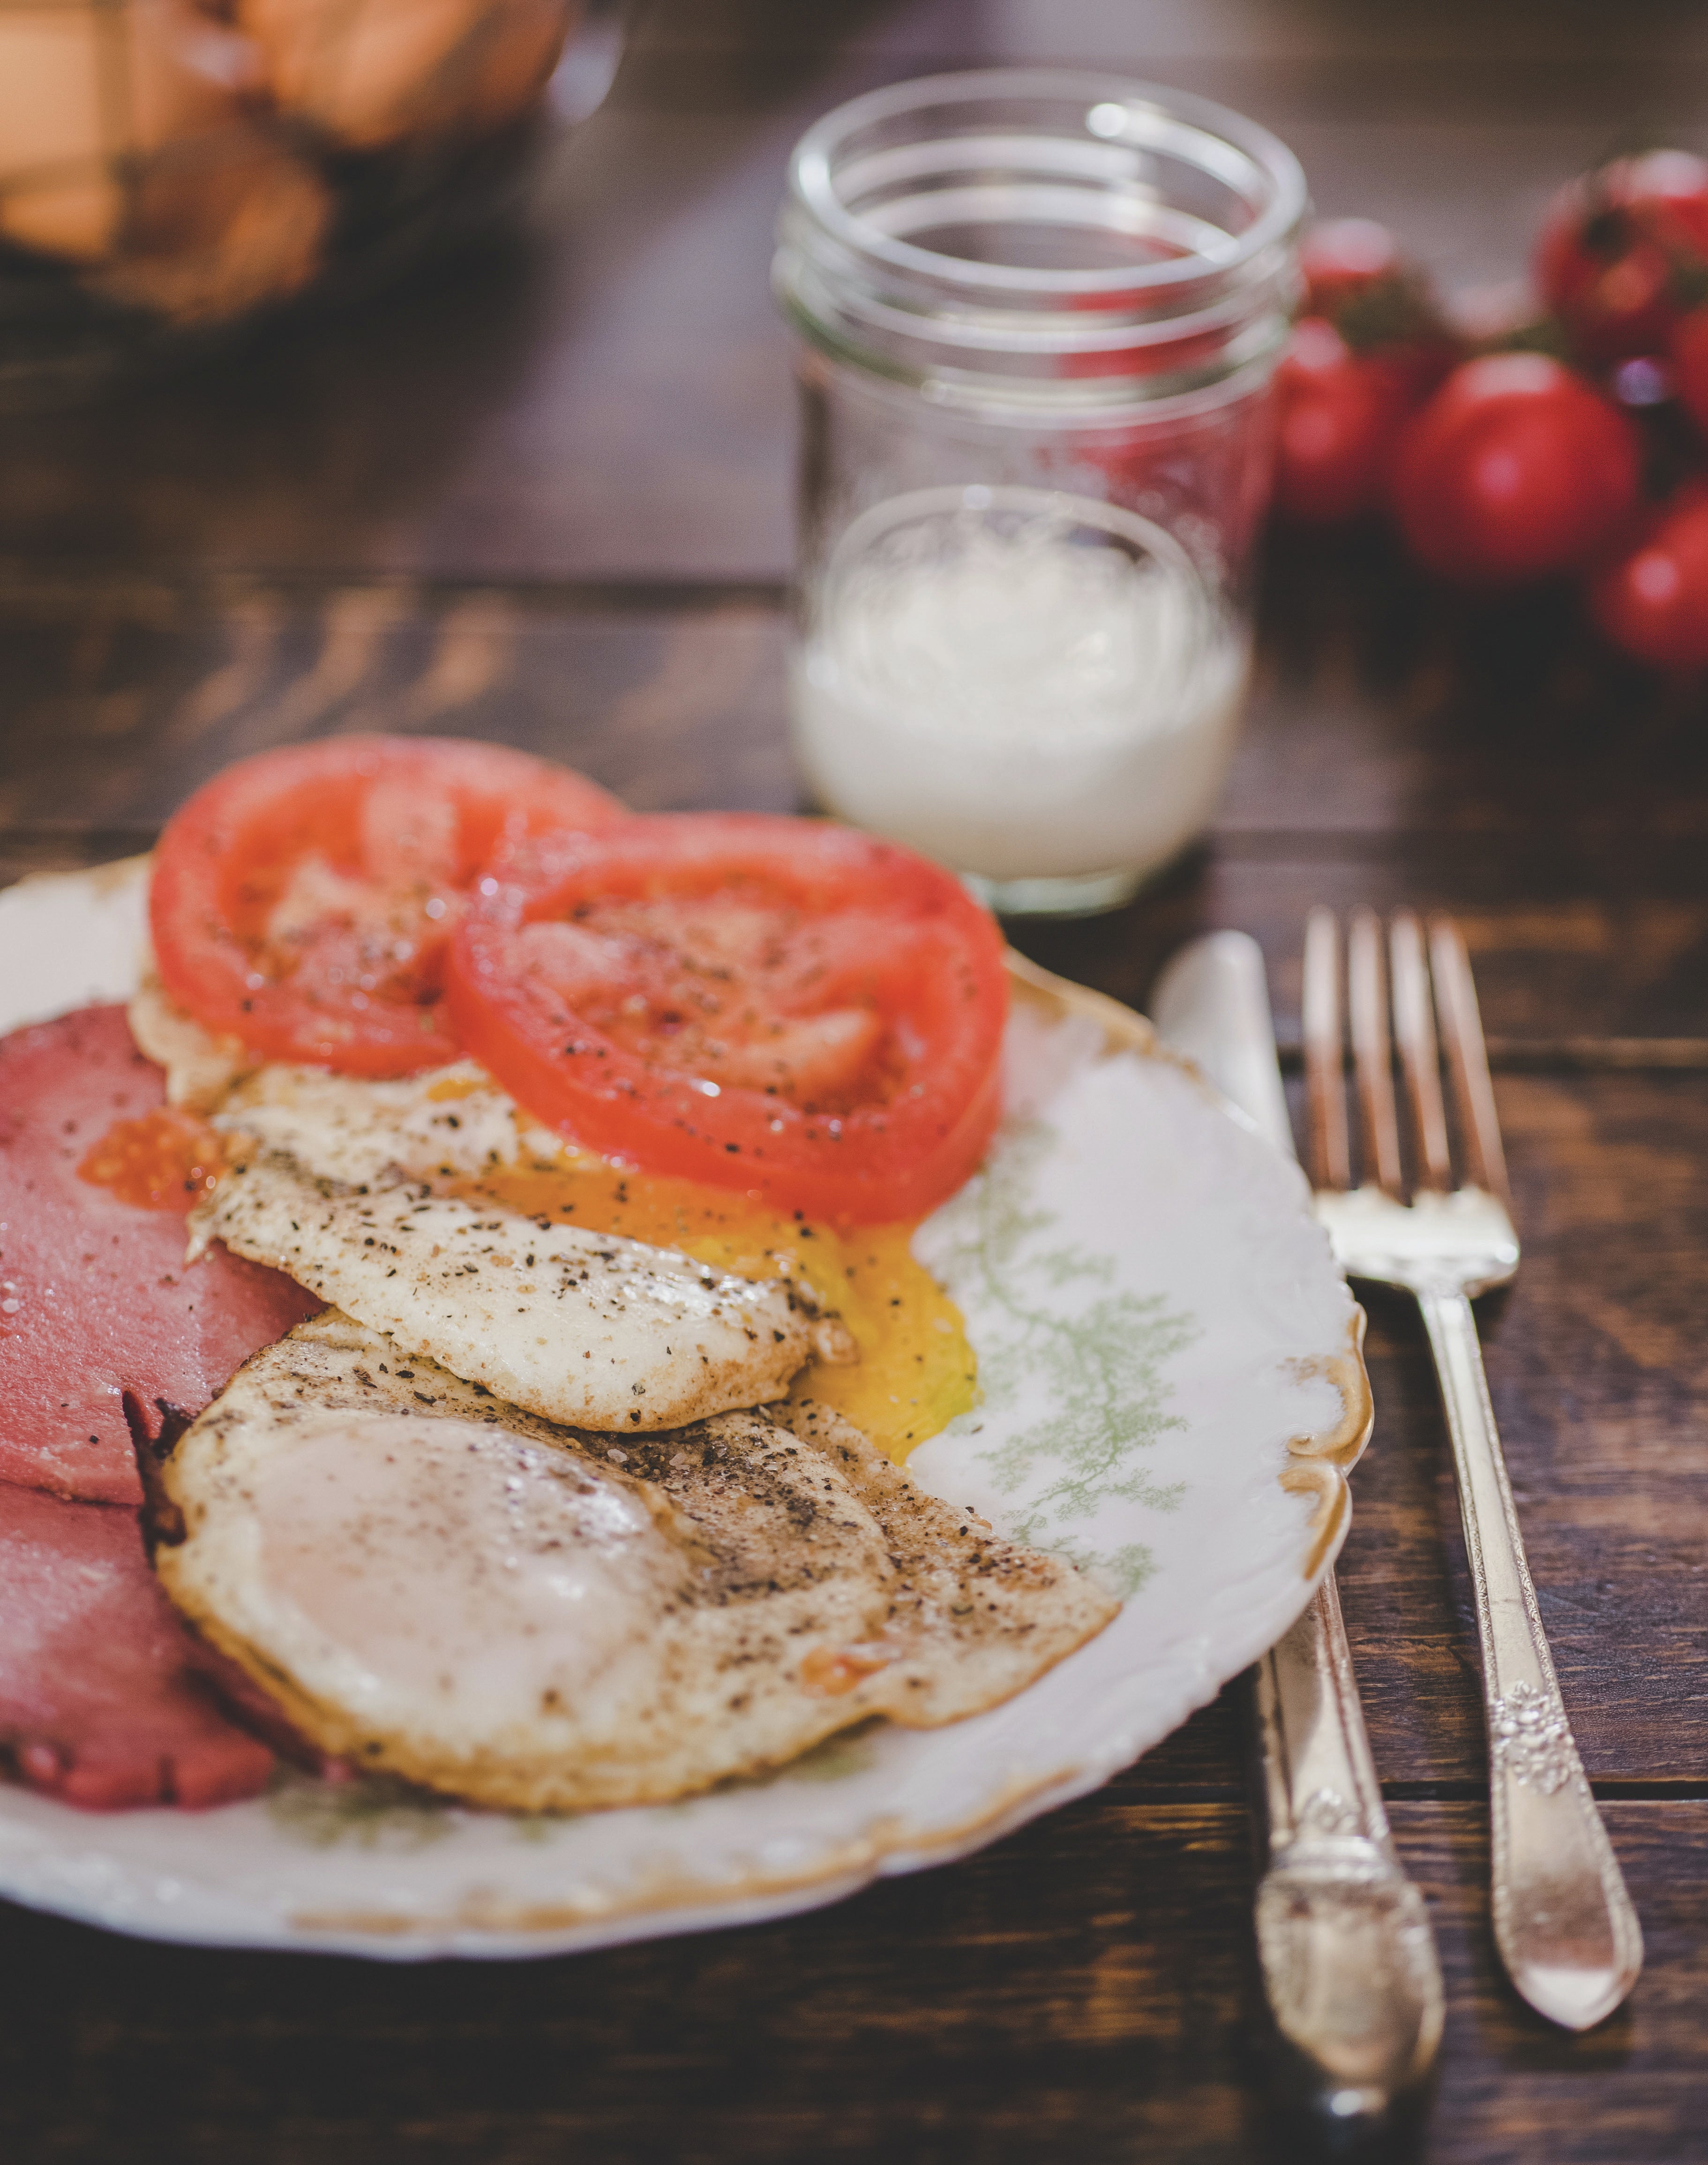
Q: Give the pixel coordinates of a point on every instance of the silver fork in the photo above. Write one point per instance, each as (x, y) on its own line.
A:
(1563, 1920)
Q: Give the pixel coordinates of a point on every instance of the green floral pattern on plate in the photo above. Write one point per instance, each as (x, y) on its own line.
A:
(1098, 1351)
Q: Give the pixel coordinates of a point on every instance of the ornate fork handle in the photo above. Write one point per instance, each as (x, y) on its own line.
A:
(1565, 1925)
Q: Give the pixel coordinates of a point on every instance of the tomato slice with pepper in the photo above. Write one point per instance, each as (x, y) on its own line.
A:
(303, 900)
(780, 1006)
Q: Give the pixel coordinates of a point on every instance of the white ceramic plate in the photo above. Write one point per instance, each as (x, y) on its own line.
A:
(1173, 1392)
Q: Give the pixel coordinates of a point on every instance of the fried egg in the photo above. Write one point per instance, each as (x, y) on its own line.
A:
(200, 1068)
(437, 1584)
(578, 1326)
(335, 1173)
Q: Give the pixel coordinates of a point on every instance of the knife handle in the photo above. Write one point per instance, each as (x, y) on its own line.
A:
(1349, 1958)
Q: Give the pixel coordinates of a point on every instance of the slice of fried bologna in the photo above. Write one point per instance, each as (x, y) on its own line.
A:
(95, 1300)
(431, 1582)
(103, 1699)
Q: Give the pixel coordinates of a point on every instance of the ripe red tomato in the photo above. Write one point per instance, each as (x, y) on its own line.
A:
(780, 1006)
(1339, 415)
(1341, 257)
(1689, 347)
(1339, 421)
(1654, 601)
(302, 901)
(1514, 469)
(1609, 253)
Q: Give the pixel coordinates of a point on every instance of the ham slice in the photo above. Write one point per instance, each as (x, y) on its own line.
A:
(96, 1300)
(104, 1700)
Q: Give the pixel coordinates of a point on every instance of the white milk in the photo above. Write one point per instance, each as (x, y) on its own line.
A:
(1022, 686)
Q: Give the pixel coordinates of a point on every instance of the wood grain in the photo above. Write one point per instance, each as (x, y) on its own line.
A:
(1085, 1989)
(668, 706)
(1403, 768)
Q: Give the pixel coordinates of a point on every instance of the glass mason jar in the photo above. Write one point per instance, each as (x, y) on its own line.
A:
(1039, 313)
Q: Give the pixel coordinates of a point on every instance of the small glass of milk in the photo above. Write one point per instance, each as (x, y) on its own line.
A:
(1038, 314)
(1037, 689)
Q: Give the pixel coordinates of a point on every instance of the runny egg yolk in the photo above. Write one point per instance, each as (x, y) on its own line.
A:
(915, 1370)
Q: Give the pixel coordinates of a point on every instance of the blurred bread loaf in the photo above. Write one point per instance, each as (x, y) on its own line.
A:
(175, 150)
(375, 73)
(243, 221)
(87, 94)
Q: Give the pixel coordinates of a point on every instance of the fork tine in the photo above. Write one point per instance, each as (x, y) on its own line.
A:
(1413, 1031)
(1466, 1057)
(1324, 1054)
(1371, 1052)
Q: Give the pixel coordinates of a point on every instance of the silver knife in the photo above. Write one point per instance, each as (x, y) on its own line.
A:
(1349, 1958)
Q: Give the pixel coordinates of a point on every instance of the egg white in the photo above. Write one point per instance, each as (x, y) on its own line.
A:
(443, 1587)
(339, 1181)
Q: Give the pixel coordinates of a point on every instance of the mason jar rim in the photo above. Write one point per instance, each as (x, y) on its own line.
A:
(811, 179)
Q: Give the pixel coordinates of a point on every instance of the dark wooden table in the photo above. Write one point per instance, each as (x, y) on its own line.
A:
(546, 500)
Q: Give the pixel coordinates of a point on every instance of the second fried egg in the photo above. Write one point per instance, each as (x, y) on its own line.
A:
(455, 1128)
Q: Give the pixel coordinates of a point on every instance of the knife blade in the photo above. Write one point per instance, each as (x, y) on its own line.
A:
(1347, 1956)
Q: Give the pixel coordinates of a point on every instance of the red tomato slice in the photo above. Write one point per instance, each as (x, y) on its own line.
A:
(303, 900)
(780, 1006)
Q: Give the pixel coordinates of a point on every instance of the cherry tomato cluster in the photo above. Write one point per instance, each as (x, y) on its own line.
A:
(1572, 443)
